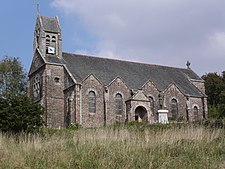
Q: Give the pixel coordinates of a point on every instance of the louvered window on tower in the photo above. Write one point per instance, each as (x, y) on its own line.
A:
(53, 42)
(47, 43)
(47, 40)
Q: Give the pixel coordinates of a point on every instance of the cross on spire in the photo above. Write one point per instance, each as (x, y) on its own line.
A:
(188, 64)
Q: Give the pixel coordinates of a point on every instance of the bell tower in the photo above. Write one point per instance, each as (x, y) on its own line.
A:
(46, 78)
(48, 37)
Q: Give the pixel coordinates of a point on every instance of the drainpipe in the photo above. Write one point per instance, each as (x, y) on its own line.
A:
(203, 108)
(81, 104)
(105, 108)
(46, 101)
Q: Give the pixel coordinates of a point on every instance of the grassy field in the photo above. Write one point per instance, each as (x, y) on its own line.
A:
(168, 146)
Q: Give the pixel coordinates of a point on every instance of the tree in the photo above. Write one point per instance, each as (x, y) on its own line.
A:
(215, 89)
(214, 85)
(19, 113)
(12, 78)
(223, 75)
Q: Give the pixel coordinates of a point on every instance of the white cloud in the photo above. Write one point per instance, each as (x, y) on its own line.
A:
(217, 43)
(155, 31)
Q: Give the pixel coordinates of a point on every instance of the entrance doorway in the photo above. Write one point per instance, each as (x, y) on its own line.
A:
(141, 114)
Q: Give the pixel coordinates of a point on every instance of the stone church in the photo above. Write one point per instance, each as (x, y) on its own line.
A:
(93, 91)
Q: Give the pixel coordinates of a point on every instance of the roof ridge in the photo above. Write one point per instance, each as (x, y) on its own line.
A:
(128, 61)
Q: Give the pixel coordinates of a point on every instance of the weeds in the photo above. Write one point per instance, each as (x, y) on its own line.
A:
(117, 146)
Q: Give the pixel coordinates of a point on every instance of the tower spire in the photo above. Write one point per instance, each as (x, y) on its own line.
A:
(38, 7)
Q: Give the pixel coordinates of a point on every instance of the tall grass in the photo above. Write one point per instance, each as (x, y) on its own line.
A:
(172, 147)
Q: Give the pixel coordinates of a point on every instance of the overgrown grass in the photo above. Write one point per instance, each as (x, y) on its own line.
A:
(118, 146)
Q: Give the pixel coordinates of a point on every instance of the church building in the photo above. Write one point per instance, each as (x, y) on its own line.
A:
(93, 91)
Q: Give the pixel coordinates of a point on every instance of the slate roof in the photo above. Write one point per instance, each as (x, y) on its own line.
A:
(50, 24)
(134, 74)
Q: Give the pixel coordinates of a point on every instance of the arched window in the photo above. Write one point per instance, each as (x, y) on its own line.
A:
(151, 103)
(53, 41)
(118, 104)
(92, 102)
(174, 108)
(195, 113)
(47, 42)
(36, 86)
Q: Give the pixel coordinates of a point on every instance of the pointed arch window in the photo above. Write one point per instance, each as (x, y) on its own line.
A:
(151, 103)
(53, 41)
(195, 113)
(47, 40)
(118, 104)
(36, 86)
(174, 108)
(92, 102)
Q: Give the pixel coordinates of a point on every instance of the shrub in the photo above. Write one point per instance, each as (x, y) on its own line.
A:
(20, 114)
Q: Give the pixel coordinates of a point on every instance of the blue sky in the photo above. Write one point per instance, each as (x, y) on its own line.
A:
(167, 32)
(17, 28)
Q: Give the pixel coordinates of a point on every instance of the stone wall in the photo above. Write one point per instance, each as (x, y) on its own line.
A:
(92, 119)
(54, 86)
(174, 93)
(150, 90)
(117, 86)
(140, 100)
(199, 104)
(69, 106)
(200, 84)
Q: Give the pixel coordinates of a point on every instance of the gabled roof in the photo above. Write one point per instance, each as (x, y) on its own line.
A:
(50, 24)
(139, 95)
(39, 62)
(134, 74)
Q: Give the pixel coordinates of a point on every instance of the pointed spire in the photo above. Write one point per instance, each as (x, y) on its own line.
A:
(38, 7)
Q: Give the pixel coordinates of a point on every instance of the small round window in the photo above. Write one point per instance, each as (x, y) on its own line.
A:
(56, 79)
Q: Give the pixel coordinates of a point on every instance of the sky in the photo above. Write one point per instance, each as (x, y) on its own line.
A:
(164, 32)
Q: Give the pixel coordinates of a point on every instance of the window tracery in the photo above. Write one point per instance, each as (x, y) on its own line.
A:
(36, 85)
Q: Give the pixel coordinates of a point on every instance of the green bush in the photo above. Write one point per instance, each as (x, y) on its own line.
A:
(20, 114)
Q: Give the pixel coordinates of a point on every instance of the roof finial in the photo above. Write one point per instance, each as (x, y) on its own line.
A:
(38, 7)
(188, 64)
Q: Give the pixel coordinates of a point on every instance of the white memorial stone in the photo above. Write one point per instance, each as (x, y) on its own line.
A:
(163, 116)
